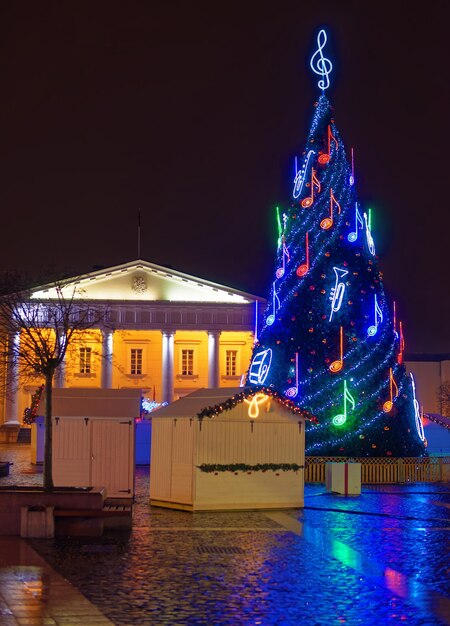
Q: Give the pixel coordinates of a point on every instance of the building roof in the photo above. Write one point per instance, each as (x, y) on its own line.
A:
(207, 402)
(144, 281)
(412, 357)
(438, 419)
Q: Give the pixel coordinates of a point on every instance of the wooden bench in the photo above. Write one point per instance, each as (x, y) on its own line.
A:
(111, 516)
(107, 511)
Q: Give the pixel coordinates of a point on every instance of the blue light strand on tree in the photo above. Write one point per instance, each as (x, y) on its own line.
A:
(327, 293)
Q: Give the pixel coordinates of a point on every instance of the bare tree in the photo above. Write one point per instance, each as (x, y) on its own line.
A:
(36, 330)
(443, 396)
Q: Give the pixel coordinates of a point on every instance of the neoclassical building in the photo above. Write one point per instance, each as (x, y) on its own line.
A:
(168, 334)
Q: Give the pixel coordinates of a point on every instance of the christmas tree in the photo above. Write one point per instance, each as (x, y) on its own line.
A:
(329, 340)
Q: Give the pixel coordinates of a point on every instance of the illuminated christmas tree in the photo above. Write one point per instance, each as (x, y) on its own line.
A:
(329, 339)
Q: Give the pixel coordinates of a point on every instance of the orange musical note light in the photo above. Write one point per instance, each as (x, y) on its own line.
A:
(324, 158)
(387, 406)
(336, 366)
(304, 268)
(327, 222)
(315, 184)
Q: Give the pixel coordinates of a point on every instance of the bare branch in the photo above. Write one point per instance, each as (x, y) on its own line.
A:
(443, 397)
(36, 330)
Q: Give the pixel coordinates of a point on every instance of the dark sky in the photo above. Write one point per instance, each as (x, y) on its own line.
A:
(193, 112)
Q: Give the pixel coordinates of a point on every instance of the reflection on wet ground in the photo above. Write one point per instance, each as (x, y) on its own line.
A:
(381, 557)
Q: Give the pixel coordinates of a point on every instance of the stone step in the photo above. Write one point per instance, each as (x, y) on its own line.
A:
(24, 435)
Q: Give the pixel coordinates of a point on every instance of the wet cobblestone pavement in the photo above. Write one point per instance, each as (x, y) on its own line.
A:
(381, 557)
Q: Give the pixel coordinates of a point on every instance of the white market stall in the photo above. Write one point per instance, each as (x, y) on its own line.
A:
(246, 451)
(94, 438)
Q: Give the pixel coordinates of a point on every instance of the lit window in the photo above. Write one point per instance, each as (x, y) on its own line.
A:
(85, 360)
(231, 362)
(136, 361)
(187, 362)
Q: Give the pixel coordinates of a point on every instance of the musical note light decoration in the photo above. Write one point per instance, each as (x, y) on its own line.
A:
(378, 318)
(359, 225)
(319, 64)
(351, 179)
(255, 334)
(401, 341)
(336, 366)
(394, 309)
(341, 418)
(280, 229)
(254, 403)
(389, 404)
(315, 184)
(275, 305)
(285, 256)
(292, 392)
(303, 269)
(327, 222)
(327, 304)
(326, 156)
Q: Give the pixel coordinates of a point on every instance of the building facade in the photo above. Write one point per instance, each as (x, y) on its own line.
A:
(166, 333)
(431, 372)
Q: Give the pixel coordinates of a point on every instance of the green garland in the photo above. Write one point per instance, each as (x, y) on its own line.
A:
(230, 403)
(243, 467)
(29, 414)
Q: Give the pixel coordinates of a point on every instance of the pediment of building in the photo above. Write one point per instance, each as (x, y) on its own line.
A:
(144, 281)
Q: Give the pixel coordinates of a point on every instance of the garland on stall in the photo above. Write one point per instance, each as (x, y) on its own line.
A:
(230, 403)
(243, 467)
(29, 415)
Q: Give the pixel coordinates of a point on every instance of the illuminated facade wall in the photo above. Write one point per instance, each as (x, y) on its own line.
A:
(200, 335)
(430, 372)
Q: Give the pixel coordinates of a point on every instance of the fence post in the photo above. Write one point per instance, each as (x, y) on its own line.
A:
(401, 471)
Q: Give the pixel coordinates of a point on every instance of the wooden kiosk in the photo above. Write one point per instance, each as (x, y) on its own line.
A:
(93, 438)
(219, 449)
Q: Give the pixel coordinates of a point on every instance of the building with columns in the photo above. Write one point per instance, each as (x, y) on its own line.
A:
(167, 333)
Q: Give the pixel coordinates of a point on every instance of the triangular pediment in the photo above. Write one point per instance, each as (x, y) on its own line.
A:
(144, 281)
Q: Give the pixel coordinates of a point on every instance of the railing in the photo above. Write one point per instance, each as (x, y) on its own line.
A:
(382, 471)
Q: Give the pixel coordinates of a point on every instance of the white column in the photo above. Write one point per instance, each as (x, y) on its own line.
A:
(167, 365)
(213, 358)
(60, 374)
(12, 379)
(107, 354)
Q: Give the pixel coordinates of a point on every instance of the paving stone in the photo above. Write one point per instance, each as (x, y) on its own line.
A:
(377, 558)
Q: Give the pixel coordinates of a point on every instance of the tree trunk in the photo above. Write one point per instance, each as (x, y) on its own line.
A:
(48, 471)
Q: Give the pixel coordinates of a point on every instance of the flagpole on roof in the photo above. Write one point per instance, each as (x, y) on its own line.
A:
(139, 235)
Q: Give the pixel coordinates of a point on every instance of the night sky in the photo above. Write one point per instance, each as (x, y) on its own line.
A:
(193, 112)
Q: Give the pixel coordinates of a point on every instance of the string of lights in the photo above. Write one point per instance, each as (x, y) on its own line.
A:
(327, 300)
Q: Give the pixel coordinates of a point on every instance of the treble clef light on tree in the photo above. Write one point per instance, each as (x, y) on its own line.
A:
(319, 64)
